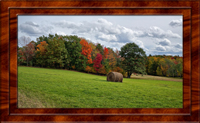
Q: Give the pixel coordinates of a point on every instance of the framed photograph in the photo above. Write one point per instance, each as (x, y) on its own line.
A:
(58, 59)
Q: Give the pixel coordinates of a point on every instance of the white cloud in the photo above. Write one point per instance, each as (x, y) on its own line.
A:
(160, 48)
(154, 35)
(107, 37)
(178, 46)
(32, 23)
(141, 45)
(170, 34)
(164, 42)
(104, 31)
(30, 29)
(101, 29)
(104, 22)
(157, 32)
(176, 23)
(65, 24)
(33, 29)
(60, 33)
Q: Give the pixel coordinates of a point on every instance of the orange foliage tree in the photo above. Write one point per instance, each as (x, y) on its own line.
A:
(86, 50)
(42, 47)
(41, 55)
(112, 59)
(102, 70)
(88, 69)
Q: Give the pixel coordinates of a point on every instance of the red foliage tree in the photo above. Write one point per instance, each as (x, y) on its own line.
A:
(97, 62)
(28, 52)
(86, 50)
(175, 62)
(105, 52)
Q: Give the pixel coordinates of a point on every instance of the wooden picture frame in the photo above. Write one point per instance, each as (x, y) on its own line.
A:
(191, 35)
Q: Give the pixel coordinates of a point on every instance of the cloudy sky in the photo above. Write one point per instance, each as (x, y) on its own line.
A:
(157, 35)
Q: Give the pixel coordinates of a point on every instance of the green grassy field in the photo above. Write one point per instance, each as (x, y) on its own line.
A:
(53, 88)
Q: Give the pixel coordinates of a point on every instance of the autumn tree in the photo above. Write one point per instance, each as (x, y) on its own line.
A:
(172, 70)
(27, 49)
(105, 52)
(86, 50)
(94, 51)
(88, 69)
(111, 59)
(42, 47)
(179, 67)
(97, 62)
(41, 53)
(28, 52)
(134, 59)
(165, 65)
(159, 71)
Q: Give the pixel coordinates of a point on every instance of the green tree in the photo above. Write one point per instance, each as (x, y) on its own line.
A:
(159, 71)
(73, 46)
(106, 65)
(20, 57)
(42, 38)
(100, 49)
(179, 67)
(152, 65)
(133, 59)
(57, 55)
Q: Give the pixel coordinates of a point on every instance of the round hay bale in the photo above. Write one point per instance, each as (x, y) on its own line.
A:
(115, 77)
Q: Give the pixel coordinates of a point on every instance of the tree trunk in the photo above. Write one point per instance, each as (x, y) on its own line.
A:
(129, 74)
(26, 61)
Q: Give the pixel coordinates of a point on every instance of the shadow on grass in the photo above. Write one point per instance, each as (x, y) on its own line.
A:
(105, 81)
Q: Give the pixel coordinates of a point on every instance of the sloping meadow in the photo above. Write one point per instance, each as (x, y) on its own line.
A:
(54, 88)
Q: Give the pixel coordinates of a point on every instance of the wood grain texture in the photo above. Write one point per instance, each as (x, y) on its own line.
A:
(110, 11)
(189, 10)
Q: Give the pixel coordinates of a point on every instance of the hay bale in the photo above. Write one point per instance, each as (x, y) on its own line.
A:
(115, 77)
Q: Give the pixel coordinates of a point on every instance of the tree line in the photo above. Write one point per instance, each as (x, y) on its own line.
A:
(161, 65)
(75, 53)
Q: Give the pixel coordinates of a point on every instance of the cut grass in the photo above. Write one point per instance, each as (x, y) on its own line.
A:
(53, 88)
(29, 101)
